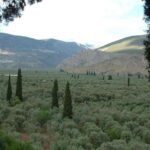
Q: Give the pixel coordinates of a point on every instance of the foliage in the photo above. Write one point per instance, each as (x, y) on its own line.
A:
(19, 86)
(110, 77)
(12, 9)
(55, 94)
(8, 143)
(67, 112)
(147, 41)
(42, 117)
(9, 91)
(128, 81)
(15, 101)
(107, 113)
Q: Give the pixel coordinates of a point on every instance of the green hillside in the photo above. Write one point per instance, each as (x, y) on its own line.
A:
(132, 43)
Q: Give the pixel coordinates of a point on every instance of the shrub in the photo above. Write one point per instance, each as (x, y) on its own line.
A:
(83, 141)
(106, 121)
(60, 145)
(131, 125)
(68, 123)
(142, 119)
(114, 132)
(71, 133)
(15, 101)
(138, 146)
(146, 136)
(4, 113)
(42, 117)
(97, 138)
(90, 127)
(19, 120)
(126, 135)
(114, 145)
(138, 131)
(8, 143)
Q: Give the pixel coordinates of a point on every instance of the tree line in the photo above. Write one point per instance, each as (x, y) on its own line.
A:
(67, 111)
(18, 88)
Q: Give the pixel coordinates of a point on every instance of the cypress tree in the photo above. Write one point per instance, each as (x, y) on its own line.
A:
(128, 81)
(103, 77)
(110, 77)
(9, 91)
(87, 73)
(19, 85)
(67, 112)
(55, 94)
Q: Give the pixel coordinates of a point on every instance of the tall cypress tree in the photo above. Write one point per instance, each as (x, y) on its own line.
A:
(147, 41)
(9, 91)
(128, 81)
(19, 85)
(67, 112)
(55, 94)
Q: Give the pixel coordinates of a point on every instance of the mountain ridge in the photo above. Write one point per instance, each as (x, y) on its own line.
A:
(121, 56)
(32, 53)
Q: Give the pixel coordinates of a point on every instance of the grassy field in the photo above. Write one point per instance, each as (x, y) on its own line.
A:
(108, 115)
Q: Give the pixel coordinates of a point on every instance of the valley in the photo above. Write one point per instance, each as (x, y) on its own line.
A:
(109, 92)
(107, 114)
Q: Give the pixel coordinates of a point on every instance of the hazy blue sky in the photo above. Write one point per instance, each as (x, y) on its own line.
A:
(85, 21)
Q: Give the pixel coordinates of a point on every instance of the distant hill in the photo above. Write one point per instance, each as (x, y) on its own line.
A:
(133, 43)
(124, 56)
(19, 51)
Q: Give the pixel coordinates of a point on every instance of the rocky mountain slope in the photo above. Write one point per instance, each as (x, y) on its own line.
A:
(28, 53)
(123, 56)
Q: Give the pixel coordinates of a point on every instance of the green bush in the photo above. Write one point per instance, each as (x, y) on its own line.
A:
(114, 132)
(97, 138)
(42, 117)
(146, 136)
(4, 113)
(114, 145)
(60, 145)
(131, 125)
(19, 122)
(126, 135)
(8, 143)
(15, 101)
(83, 142)
(134, 145)
(90, 127)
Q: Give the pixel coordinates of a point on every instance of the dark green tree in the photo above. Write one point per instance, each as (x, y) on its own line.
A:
(19, 85)
(87, 72)
(55, 94)
(67, 112)
(9, 91)
(147, 41)
(110, 77)
(128, 81)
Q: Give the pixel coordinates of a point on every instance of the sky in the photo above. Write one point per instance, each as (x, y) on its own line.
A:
(95, 22)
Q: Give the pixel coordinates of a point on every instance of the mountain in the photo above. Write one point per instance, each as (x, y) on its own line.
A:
(122, 56)
(129, 44)
(19, 51)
